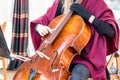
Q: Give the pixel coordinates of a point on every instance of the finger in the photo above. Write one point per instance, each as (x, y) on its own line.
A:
(45, 32)
(49, 29)
(41, 34)
(52, 30)
(40, 31)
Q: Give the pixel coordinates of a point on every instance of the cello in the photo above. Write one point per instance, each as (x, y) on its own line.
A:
(53, 57)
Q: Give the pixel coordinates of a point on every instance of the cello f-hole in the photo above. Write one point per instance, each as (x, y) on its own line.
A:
(54, 68)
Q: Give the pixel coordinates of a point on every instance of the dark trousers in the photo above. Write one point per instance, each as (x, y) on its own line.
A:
(81, 72)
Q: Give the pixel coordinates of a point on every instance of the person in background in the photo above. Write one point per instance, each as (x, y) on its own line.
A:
(103, 40)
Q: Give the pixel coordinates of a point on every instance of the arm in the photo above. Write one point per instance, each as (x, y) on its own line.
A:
(102, 27)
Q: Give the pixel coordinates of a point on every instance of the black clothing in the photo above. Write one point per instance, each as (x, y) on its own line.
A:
(102, 27)
(60, 9)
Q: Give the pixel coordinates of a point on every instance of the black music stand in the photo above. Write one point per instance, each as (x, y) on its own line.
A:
(4, 51)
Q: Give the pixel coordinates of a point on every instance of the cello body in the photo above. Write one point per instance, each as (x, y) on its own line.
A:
(52, 61)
